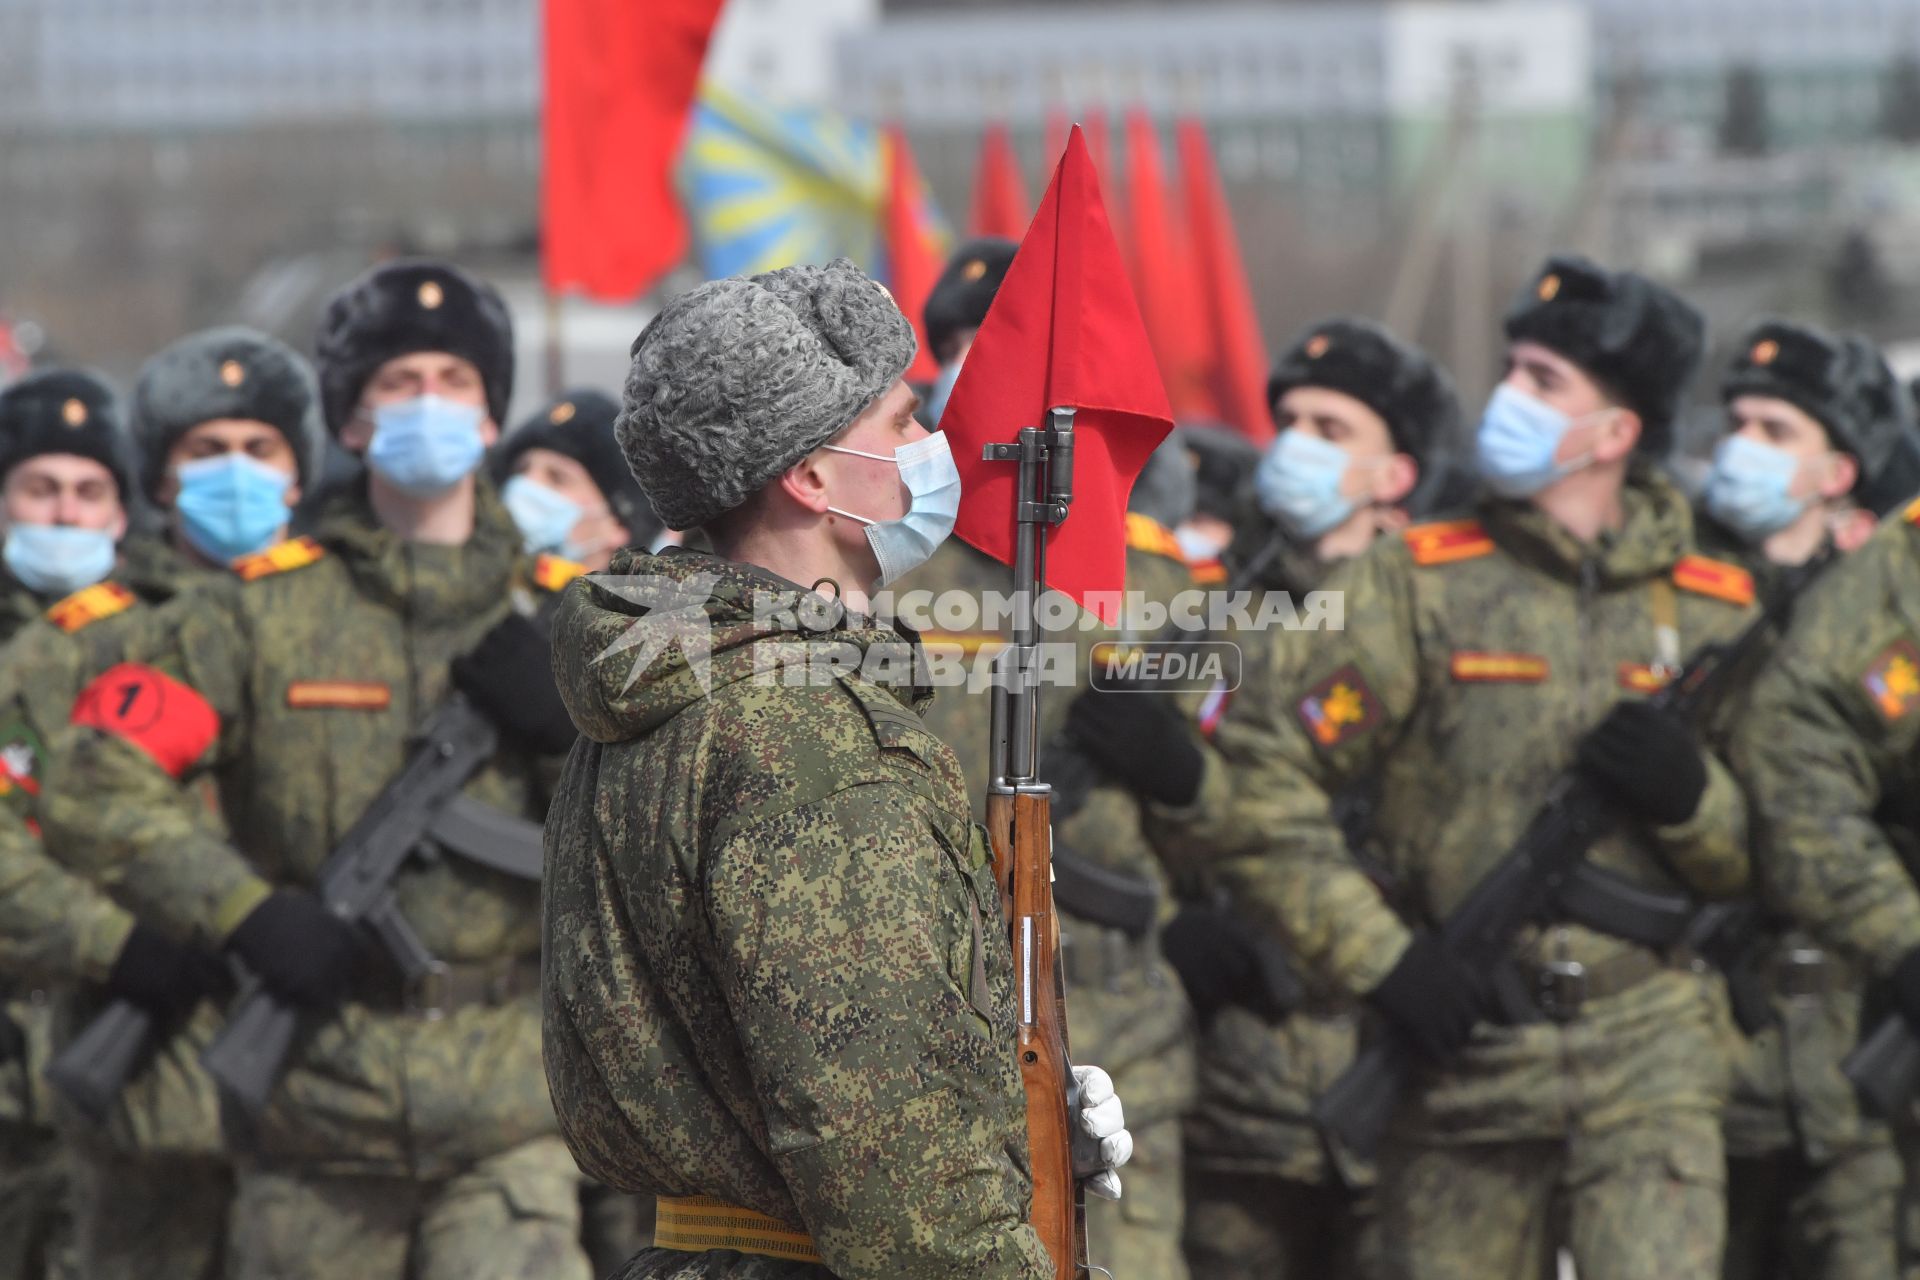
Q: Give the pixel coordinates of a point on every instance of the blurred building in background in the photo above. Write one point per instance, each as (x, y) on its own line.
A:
(167, 163)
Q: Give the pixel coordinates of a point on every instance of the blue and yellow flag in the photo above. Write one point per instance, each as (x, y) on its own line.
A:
(768, 186)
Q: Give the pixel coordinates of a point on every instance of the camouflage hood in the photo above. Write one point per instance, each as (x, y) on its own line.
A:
(638, 644)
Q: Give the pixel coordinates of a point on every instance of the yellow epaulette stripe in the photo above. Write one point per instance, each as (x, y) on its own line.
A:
(552, 573)
(1498, 668)
(1147, 534)
(1912, 514)
(1208, 572)
(1715, 578)
(967, 642)
(1446, 541)
(294, 553)
(89, 605)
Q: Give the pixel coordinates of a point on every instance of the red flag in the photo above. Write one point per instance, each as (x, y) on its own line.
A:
(914, 260)
(620, 79)
(1064, 332)
(1163, 277)
(1000, 204)
(1240, 354)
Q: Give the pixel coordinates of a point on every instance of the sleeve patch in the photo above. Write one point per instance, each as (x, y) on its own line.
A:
(1498, 668)
(1339, 707)
(1893, 681)
(1715, 578)
(89, 605)
(551, 573)
(1447, 541)
(166, 719)
(294, 553)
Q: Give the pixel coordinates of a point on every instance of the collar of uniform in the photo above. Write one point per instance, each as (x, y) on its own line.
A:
(156, 571)
(432, 584)
(1655, 531)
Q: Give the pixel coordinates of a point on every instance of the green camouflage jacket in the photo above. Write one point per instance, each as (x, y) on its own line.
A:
(776, 972)
(1474, 655)
(320, 662)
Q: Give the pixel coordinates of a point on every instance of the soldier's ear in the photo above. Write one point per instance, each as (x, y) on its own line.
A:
(1619, 433)
(1843, 470)
(805, 484)
(1395, 480)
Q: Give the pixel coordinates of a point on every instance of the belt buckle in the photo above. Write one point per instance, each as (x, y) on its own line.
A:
(430, 992)
(1562, 989)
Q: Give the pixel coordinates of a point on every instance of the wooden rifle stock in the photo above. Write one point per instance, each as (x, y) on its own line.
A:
(1019, 827)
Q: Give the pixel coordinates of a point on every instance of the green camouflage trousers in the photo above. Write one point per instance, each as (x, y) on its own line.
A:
(512, 1216)
(1248, 1226)
(135, 1218)
(1791, 1220)
(34, 1237)
(1643, 1202)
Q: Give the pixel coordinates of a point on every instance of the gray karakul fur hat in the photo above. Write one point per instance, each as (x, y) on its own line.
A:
(229, 372)
(65, 411)
(1641, 340)
(738, 379)
(404, 307)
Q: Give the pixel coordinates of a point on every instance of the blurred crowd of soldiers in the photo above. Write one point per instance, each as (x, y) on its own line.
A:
(219, 648)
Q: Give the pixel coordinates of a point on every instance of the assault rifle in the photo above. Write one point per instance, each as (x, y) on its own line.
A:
(1522, 887)
(1019, 824)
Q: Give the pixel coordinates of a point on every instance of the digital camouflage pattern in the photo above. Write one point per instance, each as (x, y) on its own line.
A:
(1126, 1010)
(319, 675)
(1809, 1179)
(1260, 1227)
(775, 970)
(1463, 686)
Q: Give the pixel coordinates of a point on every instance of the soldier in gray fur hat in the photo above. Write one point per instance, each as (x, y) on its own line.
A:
(228, 423)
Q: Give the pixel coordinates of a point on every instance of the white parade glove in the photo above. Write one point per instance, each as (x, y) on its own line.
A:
(1101, 1143)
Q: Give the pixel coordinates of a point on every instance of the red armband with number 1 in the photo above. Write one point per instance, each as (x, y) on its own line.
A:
(150, 709)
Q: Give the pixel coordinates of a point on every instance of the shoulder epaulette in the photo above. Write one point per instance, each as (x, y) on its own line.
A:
(1446, 541)
(89, 605)
(1208, 572)
(1912, 514)
(1147, 534)
(1716, 578)
(294, 553)
(551, 573)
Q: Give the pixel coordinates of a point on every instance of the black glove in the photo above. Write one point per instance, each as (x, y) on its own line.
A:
(1142, 740)
(302, 952)
(1223, 960)
(1904, 986)
(1649, 760)
(1432, 998)
(509, 676)
(164, 977)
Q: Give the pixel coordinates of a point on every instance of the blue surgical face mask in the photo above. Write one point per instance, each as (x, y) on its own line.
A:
(57, 559)
(1747, 490)
(425, 445)
(933, 483)
(231, 505)
(1518, 438)
(942, 390)
(546, 516)
(1298, 483)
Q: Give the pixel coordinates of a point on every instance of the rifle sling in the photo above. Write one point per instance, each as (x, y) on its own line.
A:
(485, 836)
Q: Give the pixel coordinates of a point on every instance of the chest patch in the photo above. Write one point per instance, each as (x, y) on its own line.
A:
(351, 695)
(1892, 682)
(1470, 667)
(1339, 707)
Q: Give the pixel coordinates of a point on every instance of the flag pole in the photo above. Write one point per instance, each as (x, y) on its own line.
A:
(555, 354)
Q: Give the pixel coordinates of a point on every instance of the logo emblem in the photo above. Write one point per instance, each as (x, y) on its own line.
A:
(973, 271)
(233, 373)
(562, 413)
(431, 294)
(74, 413)
(1549, 288)
(1765, 351)
(1317, 346)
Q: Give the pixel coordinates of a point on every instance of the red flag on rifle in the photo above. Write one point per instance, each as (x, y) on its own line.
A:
(619, 84)
(1064, 332)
